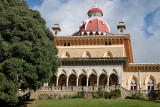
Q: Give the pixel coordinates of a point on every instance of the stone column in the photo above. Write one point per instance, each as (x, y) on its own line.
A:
(77, 81)
(67, 81)
(57, 81)
(97, 80)
(87, 81)
(107, 80)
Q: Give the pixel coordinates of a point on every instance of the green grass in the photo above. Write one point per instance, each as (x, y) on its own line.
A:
(93, 103)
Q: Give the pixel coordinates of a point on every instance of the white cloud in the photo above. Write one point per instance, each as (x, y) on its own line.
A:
(71, 14)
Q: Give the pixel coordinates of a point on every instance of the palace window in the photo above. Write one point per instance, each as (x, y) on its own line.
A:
(150, 84)
(133, 85)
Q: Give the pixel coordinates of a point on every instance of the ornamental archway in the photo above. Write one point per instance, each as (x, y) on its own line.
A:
(92, 80)
(62, 80)
(72, 80)
(113, 80)
(102, 80)
(82, 80)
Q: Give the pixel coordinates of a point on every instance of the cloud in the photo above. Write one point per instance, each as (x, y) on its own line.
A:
(70, 14)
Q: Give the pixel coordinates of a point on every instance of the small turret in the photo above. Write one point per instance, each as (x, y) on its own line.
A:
(56, 29)
(121, 27)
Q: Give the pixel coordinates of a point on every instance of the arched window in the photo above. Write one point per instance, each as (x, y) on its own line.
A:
(133, 85)
(150, 84)
(65, 44)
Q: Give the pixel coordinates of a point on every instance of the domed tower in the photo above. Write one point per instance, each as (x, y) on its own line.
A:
(94, 25)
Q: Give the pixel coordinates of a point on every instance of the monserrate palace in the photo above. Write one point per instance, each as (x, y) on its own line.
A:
(93, 56)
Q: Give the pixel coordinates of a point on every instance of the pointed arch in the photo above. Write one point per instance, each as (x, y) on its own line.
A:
(108, 54)
(65, 55)
(93, 72)
(147, 79)
(113, 71)
(130, 79)
(104, 72)
(73, 72)
(86, 55)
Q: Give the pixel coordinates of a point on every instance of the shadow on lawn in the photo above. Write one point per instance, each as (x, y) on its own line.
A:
(156, 101)
(25, 103)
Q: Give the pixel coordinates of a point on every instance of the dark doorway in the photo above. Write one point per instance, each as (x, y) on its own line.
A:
(84, 80)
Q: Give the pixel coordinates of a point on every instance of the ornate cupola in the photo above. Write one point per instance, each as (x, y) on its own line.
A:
(95, 12)
(94, 25)
(56, 29)
(121, 27)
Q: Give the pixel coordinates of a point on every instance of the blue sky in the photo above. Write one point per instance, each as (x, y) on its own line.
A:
(140, 16)
(33, 3)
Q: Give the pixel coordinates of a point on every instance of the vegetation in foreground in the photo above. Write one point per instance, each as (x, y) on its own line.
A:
(27, 50)
(93, 103)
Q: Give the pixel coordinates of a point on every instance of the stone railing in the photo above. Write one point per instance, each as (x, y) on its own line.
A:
(79, 88)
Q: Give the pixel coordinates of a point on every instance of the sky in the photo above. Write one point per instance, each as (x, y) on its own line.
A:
(141, 18)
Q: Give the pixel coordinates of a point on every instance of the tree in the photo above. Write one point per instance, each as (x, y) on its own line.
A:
(27, 49)
(2, 88)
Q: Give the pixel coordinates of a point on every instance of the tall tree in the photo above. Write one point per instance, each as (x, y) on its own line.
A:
(27, 50)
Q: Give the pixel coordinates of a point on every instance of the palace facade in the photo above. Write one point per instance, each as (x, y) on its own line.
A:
(94, 56)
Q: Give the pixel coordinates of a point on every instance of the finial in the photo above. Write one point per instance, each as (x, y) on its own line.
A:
(56, 22)
(95, 5)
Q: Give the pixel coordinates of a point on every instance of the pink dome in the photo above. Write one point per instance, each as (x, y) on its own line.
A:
(94, 24)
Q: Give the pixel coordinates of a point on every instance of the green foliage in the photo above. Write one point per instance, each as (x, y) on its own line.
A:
(137, 95)
(107, 95)
(2, 87)
(115, 93)
(27, 49)
(99, 88)
(79, 95)
(158, 92)
(153, 95)
(100, 92)
(158, 86)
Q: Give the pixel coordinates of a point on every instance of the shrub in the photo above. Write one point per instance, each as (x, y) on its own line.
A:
(99, 88)
(107, 95)
(137, 95)
(115, 93)
(158, 94)
(79, 95)
(153, 95)
(100, 92)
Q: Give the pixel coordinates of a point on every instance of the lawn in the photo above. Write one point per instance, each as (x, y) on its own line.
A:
(92, 103)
